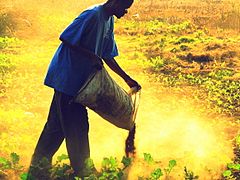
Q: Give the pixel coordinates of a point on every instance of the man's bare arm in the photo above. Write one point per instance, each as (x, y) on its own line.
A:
(118, 70)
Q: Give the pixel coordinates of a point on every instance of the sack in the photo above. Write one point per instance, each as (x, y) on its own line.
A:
(104, 96)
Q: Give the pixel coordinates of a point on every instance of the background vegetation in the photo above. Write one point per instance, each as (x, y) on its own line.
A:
(185, 54)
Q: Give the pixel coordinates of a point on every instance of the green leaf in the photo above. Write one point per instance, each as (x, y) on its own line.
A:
(62, 157)
(89, 163)
(172, 163)
(6, 164)
(24, 176)
(3, 161)
(109, 164)
(113, 164)
(227, 173)
(233, 166)
(148, 158)
(126, 161)
(119, 174)
(238, 167)
(91, 177)
(156, 174)
(15, 158)
(105, 162)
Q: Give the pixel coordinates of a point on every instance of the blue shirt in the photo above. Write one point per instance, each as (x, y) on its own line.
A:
(69, 68)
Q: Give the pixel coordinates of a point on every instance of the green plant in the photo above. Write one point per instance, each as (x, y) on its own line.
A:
(148, 158)
(61, 170)
(184, 47)
(5, 65)
(234, 166)
(189, 175)
(227, 174)
(171, 165)
(157, 62)
(184, 39)
(180, 27)
(156, 174)
(220, 74)
(153, 27)
(232, 171)
(11, 163)
(221, 92)
(126, 161)
(110, 169)
(41, 169)
(10, 42)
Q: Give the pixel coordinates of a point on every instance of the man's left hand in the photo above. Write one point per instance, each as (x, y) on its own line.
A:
(132, 83)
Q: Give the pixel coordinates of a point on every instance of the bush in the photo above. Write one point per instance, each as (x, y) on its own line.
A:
(7, 24)
(10, 42)
(5, 65)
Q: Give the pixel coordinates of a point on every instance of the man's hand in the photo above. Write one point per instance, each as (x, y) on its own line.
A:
(132, 83)
(117, 69)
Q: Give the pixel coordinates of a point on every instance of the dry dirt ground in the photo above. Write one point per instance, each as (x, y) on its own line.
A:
(171, 122)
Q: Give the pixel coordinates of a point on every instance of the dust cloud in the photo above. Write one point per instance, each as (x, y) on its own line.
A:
(169, 126)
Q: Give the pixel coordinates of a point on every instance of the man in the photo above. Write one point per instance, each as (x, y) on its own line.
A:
(92, 31)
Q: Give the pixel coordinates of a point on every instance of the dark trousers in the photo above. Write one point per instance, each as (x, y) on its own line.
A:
(67, 120)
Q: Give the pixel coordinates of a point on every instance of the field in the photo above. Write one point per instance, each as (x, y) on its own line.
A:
(186, 57)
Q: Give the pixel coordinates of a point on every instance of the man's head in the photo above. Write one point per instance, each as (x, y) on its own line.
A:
(118, 7)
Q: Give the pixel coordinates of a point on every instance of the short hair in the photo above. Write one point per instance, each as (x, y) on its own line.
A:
(128, 3)
(124, 1)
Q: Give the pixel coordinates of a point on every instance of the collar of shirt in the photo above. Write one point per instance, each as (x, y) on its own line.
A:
(105, 16)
